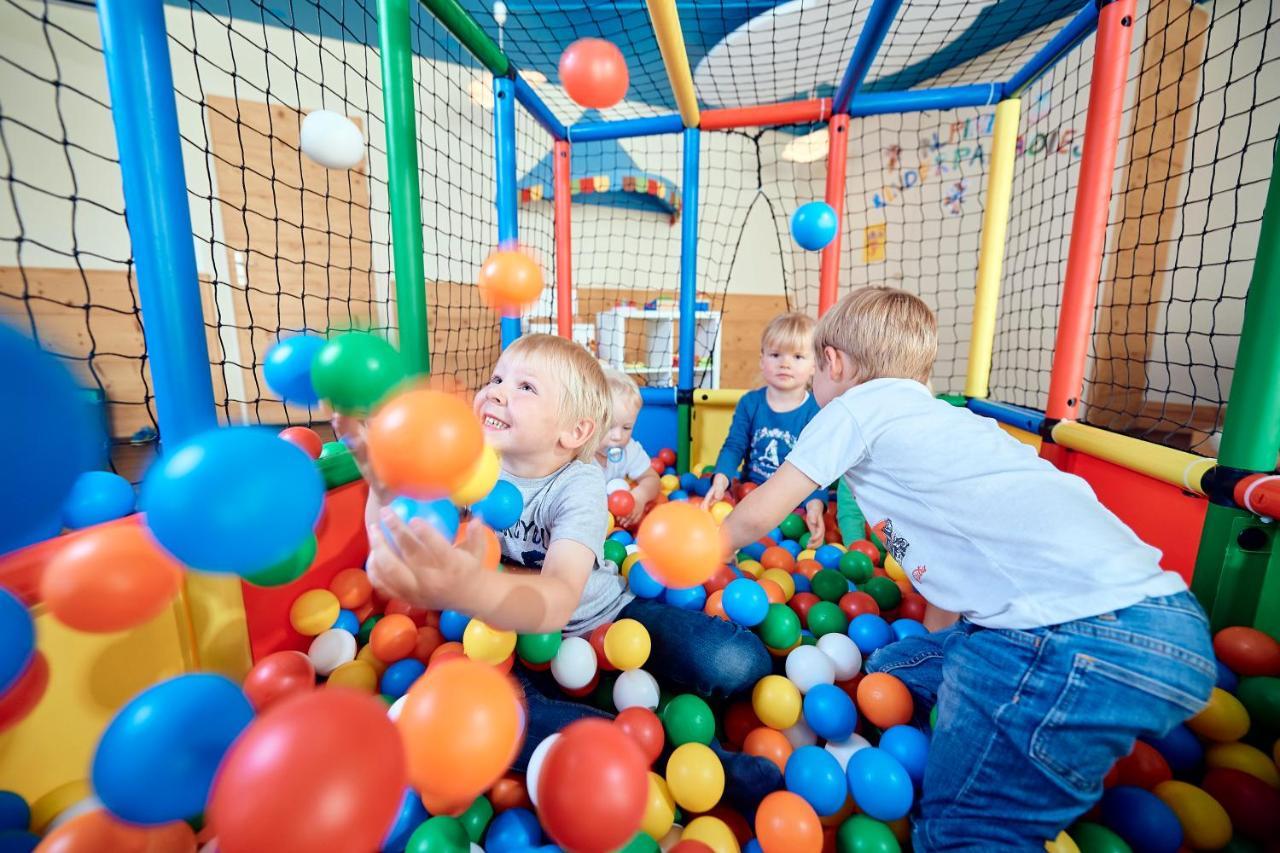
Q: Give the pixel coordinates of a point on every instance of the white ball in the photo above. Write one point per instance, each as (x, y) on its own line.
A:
(617, 484)
(807, 667)
(635, 688)
(845, 748)
(332, 140)
(574, 665)
(532, 775)
(476, 848)
(800, 735)
(331, 650)
(73, 811)
(672, 838)
(632, 548)
(844, 655)
(396, 707)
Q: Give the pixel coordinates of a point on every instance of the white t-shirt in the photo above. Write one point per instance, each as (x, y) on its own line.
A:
(633, 465)
(982, 525)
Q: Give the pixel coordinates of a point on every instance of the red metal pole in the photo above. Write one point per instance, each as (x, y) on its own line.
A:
(564, 230)
(837, 159)
(1093, 199)
(788, 112)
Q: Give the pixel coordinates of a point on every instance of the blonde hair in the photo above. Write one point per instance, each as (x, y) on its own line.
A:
(622, 386)
(788, 331)
(885, 332)
(584, 393)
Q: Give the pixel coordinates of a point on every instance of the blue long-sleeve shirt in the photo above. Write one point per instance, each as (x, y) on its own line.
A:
(762, 438)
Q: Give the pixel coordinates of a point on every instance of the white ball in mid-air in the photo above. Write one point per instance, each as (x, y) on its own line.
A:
(332, 140)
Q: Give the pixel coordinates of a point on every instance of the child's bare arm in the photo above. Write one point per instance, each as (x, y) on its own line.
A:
(644, 491)
(766, 506)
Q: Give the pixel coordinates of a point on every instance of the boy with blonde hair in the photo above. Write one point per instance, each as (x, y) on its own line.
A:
(768, 420)
(1071, 642)
(620, 455)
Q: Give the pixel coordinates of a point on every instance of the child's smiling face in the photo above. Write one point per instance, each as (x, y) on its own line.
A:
(520, 407)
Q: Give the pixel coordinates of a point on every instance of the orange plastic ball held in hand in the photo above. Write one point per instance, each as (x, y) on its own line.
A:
(682, 545)
(509, 281)
(424, 443)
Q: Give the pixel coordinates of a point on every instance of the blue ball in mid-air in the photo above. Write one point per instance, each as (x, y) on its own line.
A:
(814, 225)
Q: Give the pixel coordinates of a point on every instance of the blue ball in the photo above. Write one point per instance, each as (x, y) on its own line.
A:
(15, 814)
(441, 514)
(870, 632)
(791, 546)
(752, 846)
(1227, 680)
(17, 639)
(501, 508)
(689, 481)
(348, 622)
(910, 746)
(411, 814)
(157, 758)
(622, 536)
(16, 841)
(237, 500)
(745, 602)
(1180, 748)
(903, 628)
(802, 583)
(670, 470)
(776, 535)
(814, 775)
(452, 624)
(830, 712)
(701, 486)
(814, 225)
(880, 785)
(642, 583)
(754, 551)
(1142, 819)
(678, 495)
(512, 830)
(97, 496)
(829, 556)
(287, 368)
(690, 598)
(400, 676)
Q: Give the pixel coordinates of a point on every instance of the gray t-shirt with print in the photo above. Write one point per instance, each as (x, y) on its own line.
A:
(568, 504)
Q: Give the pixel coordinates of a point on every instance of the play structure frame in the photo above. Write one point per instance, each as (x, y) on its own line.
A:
(1237, 570)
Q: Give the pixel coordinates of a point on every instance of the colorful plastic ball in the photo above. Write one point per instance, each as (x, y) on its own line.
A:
(593, 788)
(903, 628)
(829, 585)
(509, 281)
(15, 813)
(627, 644)
(635, 688)
(621, 503)
(690, 598)
(754, 551)
(512, 830)
(709, 833)
(393, 638)
(306, 440)
(1260, 696)
(785, 823)
(156, 760)
(870, 633)
(313, 612)
(776, 701)
(830, 712)
(843, 750)
(1226, 679)
(95, 497)
(17, 639)
(1180, 748)
(475, 820)
(720, 511)
(681, 544)
(814, 225)
(1142, 819)
(827, 618)
(659, 810)
(688, 719)
(453, 624)
(501, 508)
(487, 645)
(807, 667)
(1143, 767)
(910, 747)
(24, 694)
(845, 656)
(829, 556)
(783, 579)
(884, 700)
(880, 785)
(347, 621)
(781, 627)
(770, 744)
(856, 566)
(814, 774)
(1253, 805)
(615, 552)
(331, 649)
(856, 603)
(1223, 719)
(745, 602)
(439, 834)
(885, 592)
(862, 834)
(695, 777)
(1205, 824)
(623, 538)
(440, 514)
(236, 499)
(480, 480)
(538, 648)
(424, 443)
(354, 675)
(643, 726)
(278, 676)
(1247, 651)
(533, 774)
(287, 368)
(575, 664)
(400, 676)
(641, 583)
(289, 569)
(1094, 838)
(355, 371)
(792, 526)
(410, 816)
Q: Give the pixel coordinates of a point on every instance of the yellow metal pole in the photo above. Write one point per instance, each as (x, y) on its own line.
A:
(666, 26)
(995, 225)
(1184, 470)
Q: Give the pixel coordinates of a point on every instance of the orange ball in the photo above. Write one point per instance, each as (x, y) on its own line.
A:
(352, 588)
(785, 823)
(808, 568)
(778, 557)
(715, 605)
(768, 743)
(884, 700)
(492, 550)
(394, 638)
(594, 73)
(424, 443)
(99, 830)
(772, 591)
(681, 544)
(509, 281)
(429, 639)
(445, 651)
(510, 792)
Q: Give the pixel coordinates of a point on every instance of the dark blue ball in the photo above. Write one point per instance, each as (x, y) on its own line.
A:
(1181, 748)
(1142, 819)
(411, 814)
(400, 676)
(452, 624)
(754, 551)
(511, 830)
(15, 814)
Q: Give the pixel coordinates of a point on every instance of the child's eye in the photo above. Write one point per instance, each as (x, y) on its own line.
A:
(525, 386)
(495, 380)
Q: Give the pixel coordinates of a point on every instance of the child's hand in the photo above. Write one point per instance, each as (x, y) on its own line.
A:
(632, 518)
(719, 485)
(813, 518)
(418, 565)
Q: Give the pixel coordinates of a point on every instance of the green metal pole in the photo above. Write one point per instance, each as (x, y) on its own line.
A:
(473, 37)
(400, 117)
(684, 417)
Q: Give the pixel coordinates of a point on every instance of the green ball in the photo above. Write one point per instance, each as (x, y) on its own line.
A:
(538, 648)
(1094, 838)
(780, 628)
(803, 540)
(366, 628)
(332, 448)
(640, 843)
(615, 551)
(884, 591)
(857, 566)
(933, 717)
(792, 526)
(475, 820)
(708, 469)
(355, 371)
(861, 834)
(1260, 696)
(688, 719)
(439, 835)
(829, 585)
(388, 700)
(287, 570)
(827, 618)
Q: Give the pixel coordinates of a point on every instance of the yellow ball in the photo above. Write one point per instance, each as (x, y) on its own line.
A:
(720, 511)
(713, 832)
(1205, 823)
(627, 644)
(366, 654)
(776, 702)
(481, 480)
(489, 645)
(659, 810)
(1245, 758)
(1062, 844)
(356, 674)
(44, 810)
(630, 560)
(613, 522)
(695, 777)
(783, 579)
(669, 483)
(806, 554)
(1223, 719)
(750, 568)
(893, 569)
(314, 612)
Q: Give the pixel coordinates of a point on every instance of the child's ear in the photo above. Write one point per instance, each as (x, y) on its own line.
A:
(578, 433)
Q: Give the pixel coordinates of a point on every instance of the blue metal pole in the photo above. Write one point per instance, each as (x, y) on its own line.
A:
(504, 133)
(1075, 31)
(136, 49)
(539, 110)
(879, 19)
(689, 258)
(879, 103)
(1005, 413)
(596, 131)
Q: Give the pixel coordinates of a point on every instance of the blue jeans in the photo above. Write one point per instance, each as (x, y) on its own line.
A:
(1030, 721)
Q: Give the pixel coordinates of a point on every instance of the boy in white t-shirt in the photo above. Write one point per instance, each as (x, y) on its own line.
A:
(1071, 642)
(620, 455)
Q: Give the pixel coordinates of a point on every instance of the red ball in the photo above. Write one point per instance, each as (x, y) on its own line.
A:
(594, 788)
(865, 546)
(801, 602)
(690, 846)
(277, 676)
(1144, 767)
(304, 438)
(1252, 805)
(667, 457)
(1247, 651)
(25, 693)
(658, 466)
(722, 578)
(594, 73)
(857, 603)
(596, 639)
(912, 607)
(739, 721)
(643, 727)
(621, 503)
